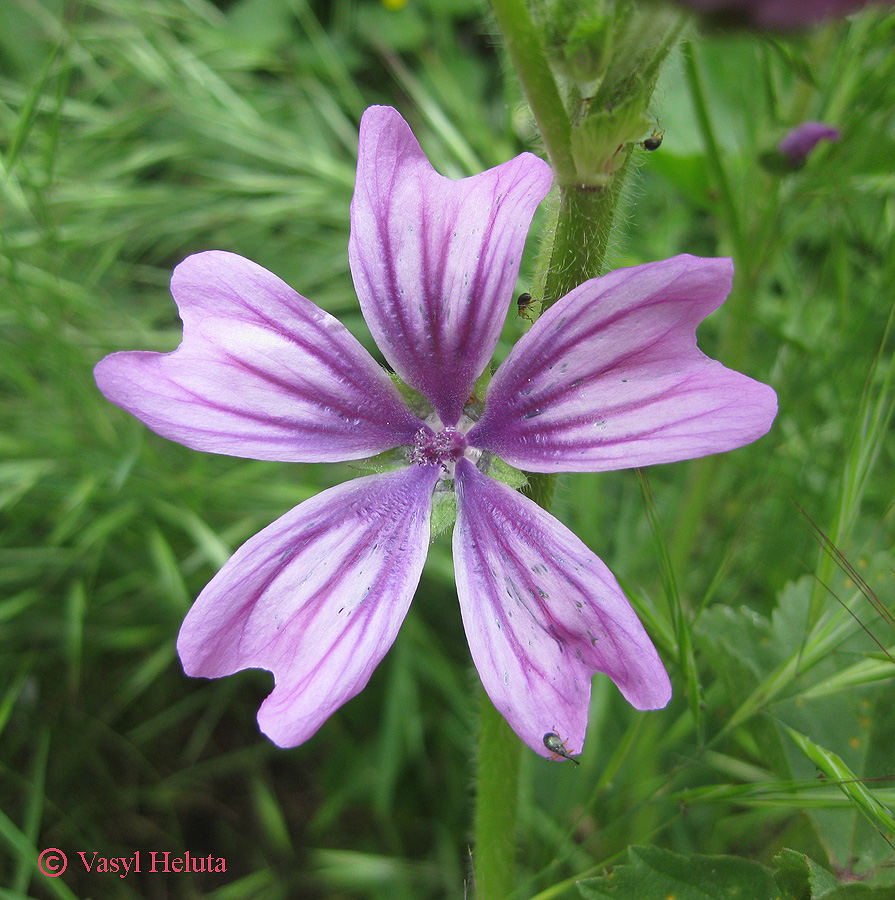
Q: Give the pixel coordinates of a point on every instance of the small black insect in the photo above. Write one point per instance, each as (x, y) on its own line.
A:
(524, 303)
(557, 746)
(654, 141)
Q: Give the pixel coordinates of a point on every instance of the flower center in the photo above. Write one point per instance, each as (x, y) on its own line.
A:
(441, 448)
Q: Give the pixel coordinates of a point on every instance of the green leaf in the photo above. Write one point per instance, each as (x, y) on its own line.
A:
(506, 473)
(655, 874)
(800, 878)
(858, 891)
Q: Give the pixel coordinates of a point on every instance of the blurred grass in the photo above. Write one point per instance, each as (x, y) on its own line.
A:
(134, 133)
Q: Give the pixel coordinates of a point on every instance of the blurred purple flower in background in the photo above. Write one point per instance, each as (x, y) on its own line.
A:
(609, 377)
(798, 143)
(779, 14)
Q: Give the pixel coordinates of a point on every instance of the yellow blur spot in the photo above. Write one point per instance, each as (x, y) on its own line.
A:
(394, 4)
(854, 743)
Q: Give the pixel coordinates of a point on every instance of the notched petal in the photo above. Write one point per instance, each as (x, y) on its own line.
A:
(262, 373)
(435, 260)
(317, 598)
(542, 614)
(610, 377)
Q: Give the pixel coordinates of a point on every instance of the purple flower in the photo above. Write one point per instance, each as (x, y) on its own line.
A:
(609, 377)
(779, 14)
(798, 143)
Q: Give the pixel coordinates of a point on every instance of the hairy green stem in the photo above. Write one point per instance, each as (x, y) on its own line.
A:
(499, 756)
(573, 253)
(578, 249)
(523, 44)
(583, 228)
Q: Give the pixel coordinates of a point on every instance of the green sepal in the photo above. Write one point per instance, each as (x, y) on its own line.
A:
(418, 404)
(475, 405)
(388, 461)
(601, 142)
(778, 163)
(444, 508)
(444, 497)
(501, 471)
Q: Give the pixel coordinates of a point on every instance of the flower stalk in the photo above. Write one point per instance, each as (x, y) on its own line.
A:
(589, 156)
(583, 228)
(576, 252)
(524, 48)
(498, 759)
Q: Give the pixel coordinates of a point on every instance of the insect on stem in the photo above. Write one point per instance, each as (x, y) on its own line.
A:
(654, 141)
(524, 305)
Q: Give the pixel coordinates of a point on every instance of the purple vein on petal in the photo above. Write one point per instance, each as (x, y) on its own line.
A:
(435, 261)
(261, 372)
(542, 614)
(317, 598)
(611, 377)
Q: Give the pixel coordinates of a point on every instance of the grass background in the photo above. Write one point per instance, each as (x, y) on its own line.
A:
(133, 133)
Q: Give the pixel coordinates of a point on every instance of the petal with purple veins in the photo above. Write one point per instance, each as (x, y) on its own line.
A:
(262, 373)
(542, 614)
(610, 377)
(434, 260)
(317, 598)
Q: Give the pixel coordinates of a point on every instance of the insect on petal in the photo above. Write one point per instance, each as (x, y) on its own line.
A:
(542, 614)
(610, 377)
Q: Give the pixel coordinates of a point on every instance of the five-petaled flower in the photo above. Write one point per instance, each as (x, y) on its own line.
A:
(609, 377)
